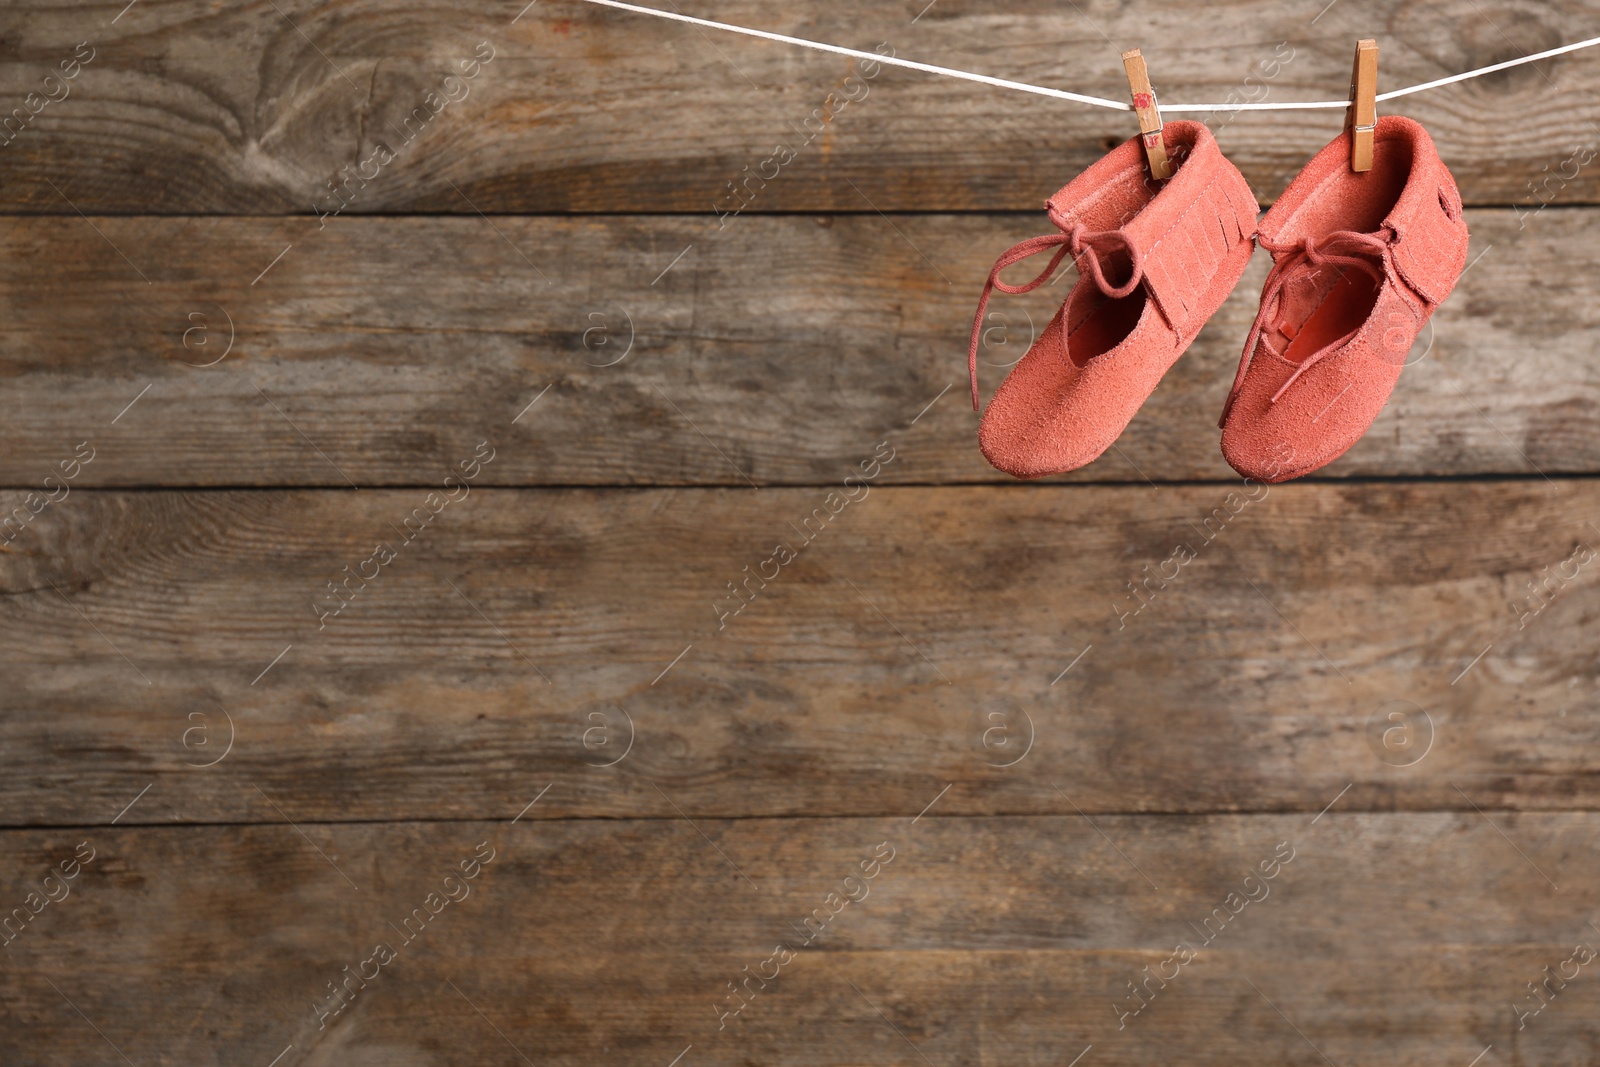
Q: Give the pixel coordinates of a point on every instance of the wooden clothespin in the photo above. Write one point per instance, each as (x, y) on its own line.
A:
(1144, 105)
(1361, 118)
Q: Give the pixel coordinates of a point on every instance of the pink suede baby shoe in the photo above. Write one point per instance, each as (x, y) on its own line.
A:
(1155, 261)
(1360, 260)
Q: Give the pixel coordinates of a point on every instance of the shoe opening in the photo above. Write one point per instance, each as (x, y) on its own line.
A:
(1360, 200)
(1335, 300)
(1346, 306)
(1097, 323)
(1106, 325)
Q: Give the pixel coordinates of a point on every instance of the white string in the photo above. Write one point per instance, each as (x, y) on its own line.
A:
(1096, 101)
(929, 68)
(1393, 93)
(1546, 54)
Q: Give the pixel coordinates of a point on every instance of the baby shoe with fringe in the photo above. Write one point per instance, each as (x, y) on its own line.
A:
(1155, 260)
(1360, 262)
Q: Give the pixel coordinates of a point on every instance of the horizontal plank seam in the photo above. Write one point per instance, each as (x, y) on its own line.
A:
(1569, 205)
(854, 817)
(1364, 479)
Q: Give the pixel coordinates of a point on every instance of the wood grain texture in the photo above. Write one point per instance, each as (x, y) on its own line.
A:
(776, 353)
(921, 638)
(1006, 941)
(191, 108)
(215, 405)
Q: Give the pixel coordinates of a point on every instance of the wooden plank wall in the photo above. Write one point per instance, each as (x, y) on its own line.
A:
(312, 756)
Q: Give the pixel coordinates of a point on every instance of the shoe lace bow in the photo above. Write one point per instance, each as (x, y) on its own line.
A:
(1086, 246)
(1340, 248)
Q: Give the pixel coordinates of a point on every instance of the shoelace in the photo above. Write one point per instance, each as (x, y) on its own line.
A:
(1078, 240)
(1340, 248)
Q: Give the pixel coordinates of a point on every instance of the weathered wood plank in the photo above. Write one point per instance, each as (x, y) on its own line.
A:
(920, 638)
(779, 352)
(1384, 938)
(188, 108)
